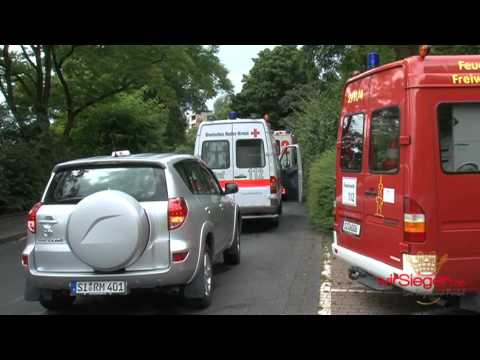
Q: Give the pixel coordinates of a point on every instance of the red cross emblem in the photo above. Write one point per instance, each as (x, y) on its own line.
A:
(255, 133)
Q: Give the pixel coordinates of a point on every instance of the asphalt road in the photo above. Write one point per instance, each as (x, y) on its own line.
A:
(280, 273)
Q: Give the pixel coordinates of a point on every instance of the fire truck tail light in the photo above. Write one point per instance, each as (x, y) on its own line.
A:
(414, 222)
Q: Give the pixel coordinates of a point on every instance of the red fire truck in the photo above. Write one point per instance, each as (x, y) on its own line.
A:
(407, 207)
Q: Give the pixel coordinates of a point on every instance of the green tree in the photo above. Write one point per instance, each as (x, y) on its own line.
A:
(222, 106)
(321, 191)
(274, 74)
(26, 83)
(179, 76)
(314, 121)
(125, 122)
(455, 50)
(64, 100)
(188, 146)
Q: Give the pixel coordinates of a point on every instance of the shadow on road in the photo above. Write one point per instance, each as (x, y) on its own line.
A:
(256, 226)
(133, 304)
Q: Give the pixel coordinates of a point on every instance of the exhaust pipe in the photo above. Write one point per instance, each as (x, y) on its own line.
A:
(353, 274)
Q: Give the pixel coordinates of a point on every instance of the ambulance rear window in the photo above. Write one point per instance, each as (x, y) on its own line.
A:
(216, 154)
(250, 154)
(459, 132)
(352, 143)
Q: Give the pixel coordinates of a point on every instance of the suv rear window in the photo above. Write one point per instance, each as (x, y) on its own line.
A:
(459, 131)
(250, 154)
(70, 186)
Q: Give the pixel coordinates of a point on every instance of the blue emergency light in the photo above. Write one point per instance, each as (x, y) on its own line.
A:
(232, 115)
(373, 60)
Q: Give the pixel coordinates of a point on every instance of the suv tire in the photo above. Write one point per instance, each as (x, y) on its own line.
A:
(198, 294)
(231, 256)
(57, 301)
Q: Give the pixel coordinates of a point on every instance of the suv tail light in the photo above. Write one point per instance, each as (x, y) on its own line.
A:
(177, 213)
(32, 218)
(414, 222)
(273, 185)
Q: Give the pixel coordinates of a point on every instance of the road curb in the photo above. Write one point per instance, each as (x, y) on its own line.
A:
(14, 237)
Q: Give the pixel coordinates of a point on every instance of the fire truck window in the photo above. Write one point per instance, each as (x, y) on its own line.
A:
(216, 154)
(352, 143)
(459, 136)
(250, 154)
(384, 141)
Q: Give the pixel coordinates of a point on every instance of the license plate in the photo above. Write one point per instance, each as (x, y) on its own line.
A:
(351, 228)
(98, 287)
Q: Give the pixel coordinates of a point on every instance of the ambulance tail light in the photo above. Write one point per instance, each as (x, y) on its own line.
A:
(414, 222)
(273, 185)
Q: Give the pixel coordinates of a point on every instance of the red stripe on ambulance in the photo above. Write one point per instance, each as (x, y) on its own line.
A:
(247, 183)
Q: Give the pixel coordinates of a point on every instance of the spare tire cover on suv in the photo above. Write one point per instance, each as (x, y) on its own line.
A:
(108, 230)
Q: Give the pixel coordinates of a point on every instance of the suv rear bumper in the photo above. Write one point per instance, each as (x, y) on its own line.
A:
(177, 274)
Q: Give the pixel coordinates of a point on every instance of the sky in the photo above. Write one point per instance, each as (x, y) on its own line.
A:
(238, 61)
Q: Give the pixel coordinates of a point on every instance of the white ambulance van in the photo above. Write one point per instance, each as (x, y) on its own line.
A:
(243, 151)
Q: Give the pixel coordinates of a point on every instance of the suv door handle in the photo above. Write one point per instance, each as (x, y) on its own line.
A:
(370, 193)
(241, 177)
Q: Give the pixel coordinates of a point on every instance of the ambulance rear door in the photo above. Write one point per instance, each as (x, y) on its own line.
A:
(251, 166)
(292, 172)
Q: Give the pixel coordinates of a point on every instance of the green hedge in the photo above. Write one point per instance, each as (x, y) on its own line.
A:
(321, 191)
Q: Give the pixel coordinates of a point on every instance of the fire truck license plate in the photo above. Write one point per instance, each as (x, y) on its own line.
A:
(351, 228)
(98, 287)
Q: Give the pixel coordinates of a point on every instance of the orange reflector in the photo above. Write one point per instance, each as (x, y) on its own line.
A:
(414, 223)
(414, 227)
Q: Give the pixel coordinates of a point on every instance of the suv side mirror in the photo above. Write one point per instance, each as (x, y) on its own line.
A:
(230, 188)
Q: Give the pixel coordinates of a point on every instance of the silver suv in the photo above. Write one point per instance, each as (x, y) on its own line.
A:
(107, 225)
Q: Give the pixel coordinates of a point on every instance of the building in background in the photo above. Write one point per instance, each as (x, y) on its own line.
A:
(194, 120)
